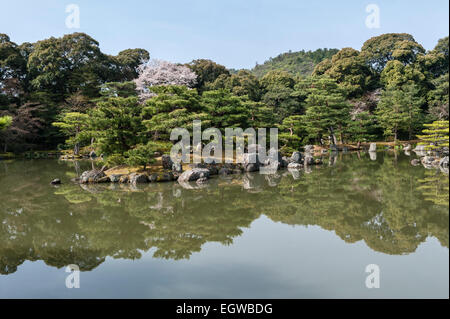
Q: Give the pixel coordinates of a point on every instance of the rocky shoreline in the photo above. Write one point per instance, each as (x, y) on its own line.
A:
(200, 173)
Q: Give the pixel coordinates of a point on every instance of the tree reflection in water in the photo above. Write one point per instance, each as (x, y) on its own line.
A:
(389, 204)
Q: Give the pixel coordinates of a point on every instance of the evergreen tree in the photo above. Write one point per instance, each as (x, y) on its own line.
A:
(399, 109)
(117, 125)
(74, 125)
(436, 135)
(172, 107)
(327, 111)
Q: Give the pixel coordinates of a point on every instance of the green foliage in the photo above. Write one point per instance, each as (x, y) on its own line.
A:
(436, 135)
(207, 72)
(116, 124)
(296, 63)
(5, 122)
(438, 98)
(173, 106)
(75, 126)
(379, 50)
(362, 127)
(399, 110)
(349, 69)
(141, 154)
(327, 111)
(225, 109)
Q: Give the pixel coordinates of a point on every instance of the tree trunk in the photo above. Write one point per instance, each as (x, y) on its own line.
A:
(76, 149)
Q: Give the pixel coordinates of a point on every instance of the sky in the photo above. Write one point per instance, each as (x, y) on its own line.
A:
(235, 33)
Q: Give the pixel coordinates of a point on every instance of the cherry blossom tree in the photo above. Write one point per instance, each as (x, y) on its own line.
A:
(158, 72)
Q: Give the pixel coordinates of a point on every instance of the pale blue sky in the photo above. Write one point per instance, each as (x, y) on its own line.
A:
(236, 33)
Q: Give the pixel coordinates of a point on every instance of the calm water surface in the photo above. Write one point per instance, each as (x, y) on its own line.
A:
(305, 235)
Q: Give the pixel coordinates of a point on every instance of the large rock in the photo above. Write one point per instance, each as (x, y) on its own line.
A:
(177, 168)
(166, 162)
(92, 176)
(115, 178)
(193, 175)
(309, 160)
(137, 178)
(161, 177)
(251, 162)
(373, 147)
(309, 148)
(407, 147)
(296, 157)
(274, 160)
(444, 162)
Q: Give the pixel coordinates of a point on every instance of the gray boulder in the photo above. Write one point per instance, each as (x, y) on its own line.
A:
(136, 178)
(251, 162)
(225, 171)
(176, 167)
(444, 162)
(92, 176)
(407, 147)
(193, 175)
(115, 178)
(309, 160)
(373, 147)
(296, 157)
(309, 148)
(166, 162)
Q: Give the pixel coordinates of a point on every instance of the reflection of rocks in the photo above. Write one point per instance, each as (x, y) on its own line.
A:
(273, 179)
(415, 162)
(295, 173)
(373, 156)
(407, 148)
(192, 185)
(295, 166)
(252, 182)
(407, 153)
(420, 150)
(251, 162)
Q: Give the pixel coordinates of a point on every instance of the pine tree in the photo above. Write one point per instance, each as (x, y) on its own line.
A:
(74, 125)
(399, 110)
(361, 128)
(327, 110)
(172, 107)
(116, 125)
(435, 135)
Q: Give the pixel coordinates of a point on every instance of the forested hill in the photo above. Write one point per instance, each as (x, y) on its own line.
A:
(296, 63)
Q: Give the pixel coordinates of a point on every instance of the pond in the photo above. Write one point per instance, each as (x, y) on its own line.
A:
(309, 234)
